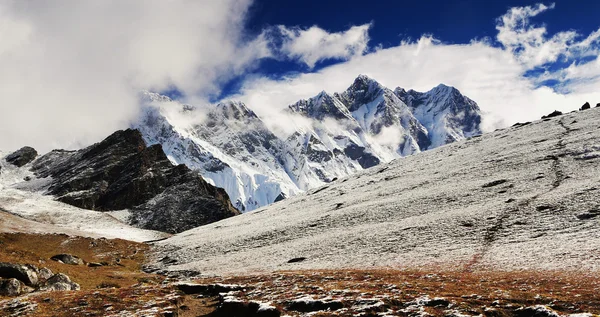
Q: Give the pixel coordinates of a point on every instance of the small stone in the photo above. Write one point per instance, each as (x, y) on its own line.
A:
(296, 260)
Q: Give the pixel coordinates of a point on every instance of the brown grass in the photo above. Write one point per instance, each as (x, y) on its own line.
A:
(37, 249)
(123, 287)
(565, 292)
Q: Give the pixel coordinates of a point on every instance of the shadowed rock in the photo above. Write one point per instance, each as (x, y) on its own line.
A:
(585, 106)
(22, 156)
(67, 259)
(10, 287)
(121, 172)
(20, 272)
(554, 113)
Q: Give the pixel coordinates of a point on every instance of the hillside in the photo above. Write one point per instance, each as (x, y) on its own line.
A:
(524, 197)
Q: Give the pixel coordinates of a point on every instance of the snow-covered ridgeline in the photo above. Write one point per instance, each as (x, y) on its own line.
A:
(364, 126)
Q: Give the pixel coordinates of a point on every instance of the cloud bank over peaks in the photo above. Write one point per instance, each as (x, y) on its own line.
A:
(497, 75)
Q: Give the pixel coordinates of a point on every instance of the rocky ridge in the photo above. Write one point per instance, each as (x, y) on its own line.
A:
(122, 173)
(366, 125)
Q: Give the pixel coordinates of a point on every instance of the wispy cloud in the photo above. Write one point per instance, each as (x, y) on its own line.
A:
(314, 44)
(71, 71)
(495, 76)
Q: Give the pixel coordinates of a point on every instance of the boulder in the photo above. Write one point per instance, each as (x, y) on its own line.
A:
(234, 307)
(22, 273)
(554, 113)
(598, 105)
(60, 282)
(10, 287)
(585, 106)
(22, 156)
(67, 259)
(45, 273)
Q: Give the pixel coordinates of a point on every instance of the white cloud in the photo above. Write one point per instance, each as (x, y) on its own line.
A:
(71, 70)
(314, 44)
(492, 76)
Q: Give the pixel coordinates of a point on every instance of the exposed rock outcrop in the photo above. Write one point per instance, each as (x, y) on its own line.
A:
(67, 259)
(585, 106)
(22, 273)
(60, 282)
(554, 113)
(10, 287)
(121, 172)
(22, 156)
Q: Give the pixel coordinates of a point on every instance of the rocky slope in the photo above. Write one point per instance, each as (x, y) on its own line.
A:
(122, 174)
(333, 136)
(518, 198)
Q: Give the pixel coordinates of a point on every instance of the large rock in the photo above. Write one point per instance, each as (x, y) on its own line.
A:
(121, 172)
(22, 273)
(22, 156)
(60, 282)
(553, 114)
(45, 273)
(10, 287)
(585, 106)
(67, 259)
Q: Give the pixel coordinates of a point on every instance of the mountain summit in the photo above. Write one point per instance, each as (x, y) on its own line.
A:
(361, 127)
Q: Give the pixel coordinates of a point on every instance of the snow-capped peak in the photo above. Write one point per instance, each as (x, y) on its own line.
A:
(346, 132)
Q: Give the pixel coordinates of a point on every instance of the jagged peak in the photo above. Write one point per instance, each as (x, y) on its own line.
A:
(443, 88)
(364, 82)
(150, 96)
(234, 109)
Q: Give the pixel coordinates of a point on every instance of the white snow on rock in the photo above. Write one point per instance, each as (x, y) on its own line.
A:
(25, 208)
(333, 136)
(519, 198)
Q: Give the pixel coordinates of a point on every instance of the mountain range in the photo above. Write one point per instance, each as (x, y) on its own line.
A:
(341, 133)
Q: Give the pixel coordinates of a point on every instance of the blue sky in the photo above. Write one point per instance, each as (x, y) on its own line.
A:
(452, 22)
(75, 69)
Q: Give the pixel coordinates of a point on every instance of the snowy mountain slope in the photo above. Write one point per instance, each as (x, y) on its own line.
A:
(445, 112)
(232, 149)
(365, 125)
(26, 209)
(519, 198)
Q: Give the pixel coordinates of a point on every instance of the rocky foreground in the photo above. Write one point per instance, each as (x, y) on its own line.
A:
(109, 282)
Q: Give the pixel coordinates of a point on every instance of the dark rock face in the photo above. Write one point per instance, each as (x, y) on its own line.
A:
(10, 287)
(122, 172)
(22, 273)
(585, 106)
(554, 113)
(313, 305)
(358, 153)
(22, 156)
(67, 259)
(208, 289)
(280, 197)
(237, 308)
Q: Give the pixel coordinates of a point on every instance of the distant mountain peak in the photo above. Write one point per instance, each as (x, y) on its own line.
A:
(235, 110)
(348, 131)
